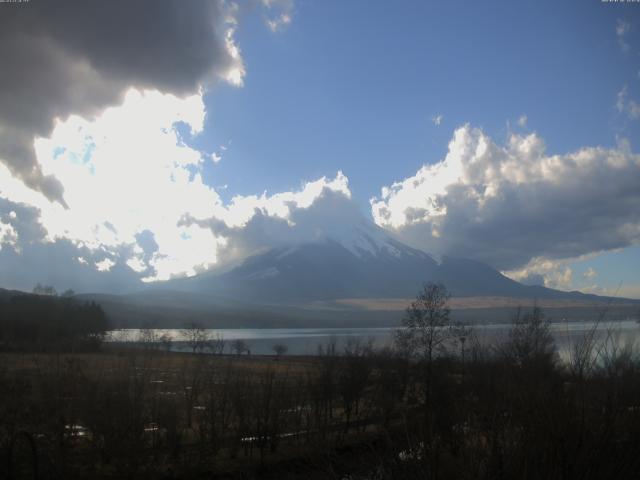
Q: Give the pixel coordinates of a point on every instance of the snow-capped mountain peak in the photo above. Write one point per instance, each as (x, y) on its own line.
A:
(358, 260)
(362, 239)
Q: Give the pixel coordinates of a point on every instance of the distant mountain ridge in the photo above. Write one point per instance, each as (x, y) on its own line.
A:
(364, 263)
(344, 279)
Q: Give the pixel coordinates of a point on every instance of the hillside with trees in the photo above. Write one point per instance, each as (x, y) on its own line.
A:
(46, 322)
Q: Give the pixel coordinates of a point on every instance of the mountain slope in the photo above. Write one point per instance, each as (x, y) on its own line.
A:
(364, 262)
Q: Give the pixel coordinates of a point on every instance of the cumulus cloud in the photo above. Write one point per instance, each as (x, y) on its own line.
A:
(91, 159)
(100, 120)
(137, 204)
(319, 210)
(508, 204)
(8, 235)
(531, 278)
(105, 265)
(128, 172)
(79, 56)
(545, 272)
(62, 263)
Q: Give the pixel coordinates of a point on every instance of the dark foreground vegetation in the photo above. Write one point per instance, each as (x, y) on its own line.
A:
(48, 322)
(440, 405)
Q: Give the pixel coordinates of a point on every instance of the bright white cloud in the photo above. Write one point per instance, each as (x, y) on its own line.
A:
(105, 265)
(508, 204)
(545, 272)
(8, 235)
(280, 205)
(236, 72)
(65, 58)
(127, 172)
(318, 210)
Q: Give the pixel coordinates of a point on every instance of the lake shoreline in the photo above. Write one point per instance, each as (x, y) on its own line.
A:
(305, 341)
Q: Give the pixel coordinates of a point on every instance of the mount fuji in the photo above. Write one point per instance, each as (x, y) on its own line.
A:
(360, 260)
(333, 267)
(359, 275)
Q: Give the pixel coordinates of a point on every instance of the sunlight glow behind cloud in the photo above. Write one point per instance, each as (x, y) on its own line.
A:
(79, 57)
(128, 171)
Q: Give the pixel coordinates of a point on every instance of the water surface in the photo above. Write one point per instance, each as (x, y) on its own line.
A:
(305, 341)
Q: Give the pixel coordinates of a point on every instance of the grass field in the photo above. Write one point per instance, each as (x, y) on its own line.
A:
(510, 410)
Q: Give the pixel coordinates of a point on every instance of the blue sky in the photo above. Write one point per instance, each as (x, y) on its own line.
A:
(502, 131)
(354, 88)
(357, 89)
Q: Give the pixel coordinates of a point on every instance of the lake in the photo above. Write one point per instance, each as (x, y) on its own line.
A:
(305, 341)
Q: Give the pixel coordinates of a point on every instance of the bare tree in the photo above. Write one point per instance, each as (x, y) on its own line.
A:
(353, 376)
(427, 330)
(216, 344)
(165, 341)
(239, 346)
(530, 340)
(148, 336)
(426, 326)
(195, 335)
(280, 349)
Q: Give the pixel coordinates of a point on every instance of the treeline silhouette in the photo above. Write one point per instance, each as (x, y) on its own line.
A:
(440, 404)
(46, 322)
